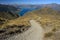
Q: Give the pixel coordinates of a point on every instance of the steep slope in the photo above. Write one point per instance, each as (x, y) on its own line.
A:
(8, 15)
(8, 12)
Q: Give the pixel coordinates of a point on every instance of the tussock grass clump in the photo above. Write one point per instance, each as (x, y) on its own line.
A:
(49, 34)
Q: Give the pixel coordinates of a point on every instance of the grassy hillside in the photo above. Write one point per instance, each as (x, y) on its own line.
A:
(47, 17)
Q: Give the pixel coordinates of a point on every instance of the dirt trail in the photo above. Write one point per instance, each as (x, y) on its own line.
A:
(35, 32)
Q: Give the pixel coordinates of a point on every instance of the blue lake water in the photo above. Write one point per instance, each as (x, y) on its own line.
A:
(25, 10)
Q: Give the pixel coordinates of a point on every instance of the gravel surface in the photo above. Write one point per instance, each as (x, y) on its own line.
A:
(35, 32)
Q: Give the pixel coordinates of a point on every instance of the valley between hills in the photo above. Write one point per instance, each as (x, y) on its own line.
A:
(48, 18)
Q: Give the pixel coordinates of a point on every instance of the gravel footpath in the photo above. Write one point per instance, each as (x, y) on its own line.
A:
(35, 32)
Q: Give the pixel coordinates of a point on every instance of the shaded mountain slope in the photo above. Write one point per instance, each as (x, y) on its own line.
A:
(8, 11)
(5, 8)
(8, 15)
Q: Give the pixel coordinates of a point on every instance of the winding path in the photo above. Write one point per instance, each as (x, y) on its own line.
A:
(35, 32)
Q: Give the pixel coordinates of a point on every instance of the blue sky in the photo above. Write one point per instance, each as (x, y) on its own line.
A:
(29, 1)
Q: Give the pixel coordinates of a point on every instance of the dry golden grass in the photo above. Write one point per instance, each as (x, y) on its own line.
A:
(48, 18)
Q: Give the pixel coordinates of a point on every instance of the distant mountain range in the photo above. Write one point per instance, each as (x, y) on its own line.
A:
(21, 9)
(28, 8)
(53, 6)
(48, 16)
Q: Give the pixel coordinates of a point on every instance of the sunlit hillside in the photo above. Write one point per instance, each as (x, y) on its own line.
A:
(47, 17)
